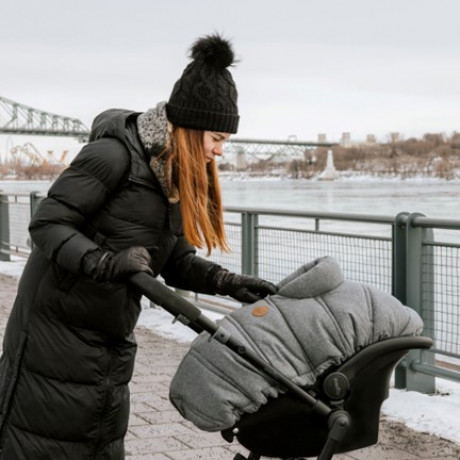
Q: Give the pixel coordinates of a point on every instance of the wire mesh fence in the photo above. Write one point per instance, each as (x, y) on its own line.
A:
(275, 248)
(363, 259)
(14, 222)
(441, 294)
(232, 260)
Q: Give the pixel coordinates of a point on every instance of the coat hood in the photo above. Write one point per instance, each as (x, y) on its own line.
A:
(120, 124)
(145, 134)
(111, 123)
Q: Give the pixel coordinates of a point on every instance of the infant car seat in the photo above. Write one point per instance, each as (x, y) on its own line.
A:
(288, 428)
(339, 413)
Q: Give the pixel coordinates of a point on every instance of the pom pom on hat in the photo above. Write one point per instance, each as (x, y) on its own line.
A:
(205, 96)
(214, 51)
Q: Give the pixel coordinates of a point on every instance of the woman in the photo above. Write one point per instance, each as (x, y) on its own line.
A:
(139, 196)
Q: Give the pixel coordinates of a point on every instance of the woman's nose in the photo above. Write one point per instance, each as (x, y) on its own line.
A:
(217, 150)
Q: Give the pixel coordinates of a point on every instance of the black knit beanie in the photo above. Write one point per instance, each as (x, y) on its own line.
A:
(205, 96)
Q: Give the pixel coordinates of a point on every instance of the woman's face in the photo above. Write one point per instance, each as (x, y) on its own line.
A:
(213, 144)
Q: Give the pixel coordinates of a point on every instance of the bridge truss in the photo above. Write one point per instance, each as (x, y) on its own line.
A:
(241, 152)
(16, 118)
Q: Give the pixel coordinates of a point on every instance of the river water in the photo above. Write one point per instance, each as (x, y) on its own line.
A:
(439, 199)
(352, 195)
(434, 198)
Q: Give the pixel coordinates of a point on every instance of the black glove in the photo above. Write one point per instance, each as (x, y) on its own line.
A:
(116, 266)
(244, 288)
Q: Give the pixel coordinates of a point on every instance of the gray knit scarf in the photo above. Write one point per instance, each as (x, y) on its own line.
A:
(152, 127)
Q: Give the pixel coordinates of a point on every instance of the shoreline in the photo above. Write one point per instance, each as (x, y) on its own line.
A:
(344, 176)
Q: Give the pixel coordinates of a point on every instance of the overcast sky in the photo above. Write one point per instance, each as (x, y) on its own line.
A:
(306, 66)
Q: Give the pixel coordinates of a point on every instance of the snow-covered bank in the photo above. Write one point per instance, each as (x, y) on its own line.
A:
(435, 414)
(344, 176)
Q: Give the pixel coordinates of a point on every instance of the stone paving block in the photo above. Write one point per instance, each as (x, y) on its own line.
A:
(163, 429)
(163, 357)
(158, 402)
(214, 453)
(164, 373)
(345, 457)
(130, 436)
(140, 407)
(239, 449)
(379, 452)
(149, 387)
(428, 449)
(137, 420)
(140, 369)
(153, 446)
(147, 378)
(446, 458)
(148, 457)
(146, 373)
(164, 416)
(204, 439)
(425, 446)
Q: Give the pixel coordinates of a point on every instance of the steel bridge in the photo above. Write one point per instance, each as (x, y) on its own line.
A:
(16, 118)
(242, 151)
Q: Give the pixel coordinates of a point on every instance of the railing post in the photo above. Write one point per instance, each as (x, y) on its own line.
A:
(4, 227)
(414, 279)
(34, 202)
(399, 275)
(249, 244)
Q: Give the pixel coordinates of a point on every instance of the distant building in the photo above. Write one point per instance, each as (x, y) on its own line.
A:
(395, 137)
(370, 139)
(241, 163)
(322, 138)
(346, 140)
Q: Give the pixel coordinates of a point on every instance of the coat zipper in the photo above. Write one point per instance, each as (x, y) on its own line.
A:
(106, 385)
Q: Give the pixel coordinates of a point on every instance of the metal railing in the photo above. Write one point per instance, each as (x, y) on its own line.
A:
(398, 254)
(15, 212)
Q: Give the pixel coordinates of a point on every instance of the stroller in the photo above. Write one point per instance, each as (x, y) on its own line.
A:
(338, 414)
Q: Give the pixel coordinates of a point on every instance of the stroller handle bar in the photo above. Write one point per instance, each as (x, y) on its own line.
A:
(161, 295)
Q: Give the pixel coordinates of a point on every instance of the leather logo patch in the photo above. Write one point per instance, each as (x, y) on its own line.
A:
(262, 310)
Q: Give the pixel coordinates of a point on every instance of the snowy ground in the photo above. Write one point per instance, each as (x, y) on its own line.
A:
(435, 414)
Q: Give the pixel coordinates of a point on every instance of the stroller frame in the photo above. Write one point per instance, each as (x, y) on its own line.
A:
(334, 387)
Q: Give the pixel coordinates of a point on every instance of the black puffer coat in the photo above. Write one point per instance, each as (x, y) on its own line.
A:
(69, 346)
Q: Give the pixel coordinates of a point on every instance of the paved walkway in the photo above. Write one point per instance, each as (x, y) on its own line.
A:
(157, 431)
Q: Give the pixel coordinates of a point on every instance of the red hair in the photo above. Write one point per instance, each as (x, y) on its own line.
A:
(199, 190)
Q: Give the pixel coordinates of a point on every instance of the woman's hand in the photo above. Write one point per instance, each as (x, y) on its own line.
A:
(244, 288)
(114, 267)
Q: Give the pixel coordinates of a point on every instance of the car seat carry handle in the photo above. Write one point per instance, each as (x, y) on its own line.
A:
(188, 314)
